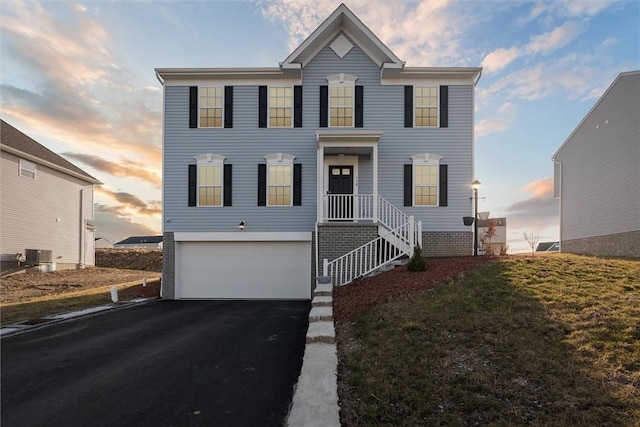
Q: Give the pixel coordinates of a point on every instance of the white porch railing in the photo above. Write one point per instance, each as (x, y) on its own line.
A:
(356, 207)
(374, 254)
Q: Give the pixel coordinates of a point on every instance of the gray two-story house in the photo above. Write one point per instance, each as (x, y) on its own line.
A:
(336, 162)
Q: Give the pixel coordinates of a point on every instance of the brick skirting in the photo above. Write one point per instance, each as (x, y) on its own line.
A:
(614, 245)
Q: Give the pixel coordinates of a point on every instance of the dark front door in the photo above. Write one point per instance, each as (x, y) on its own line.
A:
(340, 182)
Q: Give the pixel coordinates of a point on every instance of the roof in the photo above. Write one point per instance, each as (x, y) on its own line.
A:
(496, 222)
(342, 20)
(626, 74)
(15, 142)
(137, 240)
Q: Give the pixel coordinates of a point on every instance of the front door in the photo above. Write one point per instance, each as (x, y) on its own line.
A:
(340, 190)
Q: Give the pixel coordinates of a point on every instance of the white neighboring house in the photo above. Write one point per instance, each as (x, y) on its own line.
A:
(47, 205)
(597, 175)
(492, 235)
(152, 242)
(103, 243)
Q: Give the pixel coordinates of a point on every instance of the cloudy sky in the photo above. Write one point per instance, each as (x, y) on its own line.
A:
(79, 78)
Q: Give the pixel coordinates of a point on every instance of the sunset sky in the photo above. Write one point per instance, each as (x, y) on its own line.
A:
(78, 77)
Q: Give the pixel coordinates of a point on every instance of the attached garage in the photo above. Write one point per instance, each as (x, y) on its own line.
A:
(243, 265)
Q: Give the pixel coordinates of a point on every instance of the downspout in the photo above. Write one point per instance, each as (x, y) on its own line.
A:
(83, 230)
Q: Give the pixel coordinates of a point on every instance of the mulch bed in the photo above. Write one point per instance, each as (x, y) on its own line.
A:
(364, 293)
(152, 290)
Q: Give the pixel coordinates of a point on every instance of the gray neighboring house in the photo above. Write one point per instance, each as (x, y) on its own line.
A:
(103, 243)
(152, 242)
(47, 205)
(597, 175)
(334, 163)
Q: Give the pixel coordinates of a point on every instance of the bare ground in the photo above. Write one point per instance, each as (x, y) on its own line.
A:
(114, 266)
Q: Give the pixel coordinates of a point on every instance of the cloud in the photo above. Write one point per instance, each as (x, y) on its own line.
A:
(499, 59)
(537, 212)
(123, 169)
(559, 37)
(129, 204)
(507, 112)
(572, 8)
(421, 33)
(79, 95)
(110, 224)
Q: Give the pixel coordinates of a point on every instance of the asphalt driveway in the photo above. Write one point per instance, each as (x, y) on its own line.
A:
(164, 363)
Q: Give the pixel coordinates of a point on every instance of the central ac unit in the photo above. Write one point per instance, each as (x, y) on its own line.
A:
(38, 256)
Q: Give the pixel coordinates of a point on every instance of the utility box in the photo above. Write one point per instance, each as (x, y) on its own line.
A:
(38, 256)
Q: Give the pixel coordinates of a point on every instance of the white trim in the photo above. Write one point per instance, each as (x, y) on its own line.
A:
(269, 106)
(209, 159)
(280, 159)
(342, 80)
(241, 236)
(221, 107)
(425, 159)
(415, 106)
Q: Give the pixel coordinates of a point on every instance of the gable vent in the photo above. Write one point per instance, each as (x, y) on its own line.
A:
(341, 46)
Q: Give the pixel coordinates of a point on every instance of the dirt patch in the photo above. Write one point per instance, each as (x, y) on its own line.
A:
(114, 266)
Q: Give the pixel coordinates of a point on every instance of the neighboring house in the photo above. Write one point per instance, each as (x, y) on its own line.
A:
(492, 235)
(103, 243)
(341, 142)
(548, 247)
(47, 205)
(154, 242)
(597, 175)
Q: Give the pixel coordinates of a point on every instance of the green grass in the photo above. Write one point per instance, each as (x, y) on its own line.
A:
(545, 341)
(61, 303)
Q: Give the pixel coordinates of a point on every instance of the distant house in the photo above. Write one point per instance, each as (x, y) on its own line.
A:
(103, 243)
(492, 235)
(46, 212)
(154, 242)
(548, 247)
(597, 175)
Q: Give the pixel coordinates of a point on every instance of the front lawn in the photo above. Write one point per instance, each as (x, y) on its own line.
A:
(547, 341)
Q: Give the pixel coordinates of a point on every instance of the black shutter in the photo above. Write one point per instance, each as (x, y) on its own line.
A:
(262, 185)
(193, 106)
(324, 106)
(359, 107)
(193, 183)
(228, 106)
(297, 184)
(444, 106)
(444, 183)
(297, 106)
(408, 185)
(227, 181)
(408, 106)
(262, 106)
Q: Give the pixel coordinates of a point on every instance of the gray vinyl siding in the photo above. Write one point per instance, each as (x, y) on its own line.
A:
(41, 213)
(245, 145)
(600, 172)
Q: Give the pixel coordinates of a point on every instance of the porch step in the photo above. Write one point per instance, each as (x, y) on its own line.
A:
(323, 290)
(321, 332)
(321, 313)
(320, 301)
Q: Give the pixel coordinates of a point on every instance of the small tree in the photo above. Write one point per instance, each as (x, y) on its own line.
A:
(417, 262)
(532, 239)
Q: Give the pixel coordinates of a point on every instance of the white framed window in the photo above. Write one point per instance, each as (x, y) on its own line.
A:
(425, 106)
(209, 179)
(211, 106)
(341, 100)
(280, 106)
(426, 175)
(279, 179)
(27, 169)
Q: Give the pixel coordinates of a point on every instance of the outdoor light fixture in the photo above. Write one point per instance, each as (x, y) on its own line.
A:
(241, 225)
(475, 185)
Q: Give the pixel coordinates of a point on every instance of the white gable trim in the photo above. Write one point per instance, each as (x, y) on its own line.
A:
(342, 19)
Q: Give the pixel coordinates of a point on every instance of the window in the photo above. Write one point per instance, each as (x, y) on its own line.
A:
(211, 106)
(279, 181)
(341, 100)
(426, 175)
(27, 169)
(280, 106)
(426, 106)
(279, 185)
(210, 179)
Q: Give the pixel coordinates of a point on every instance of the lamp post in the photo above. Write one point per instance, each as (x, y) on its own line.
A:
(475, 185)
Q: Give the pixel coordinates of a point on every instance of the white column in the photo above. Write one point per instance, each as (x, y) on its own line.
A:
(320, 182)
(374, 159)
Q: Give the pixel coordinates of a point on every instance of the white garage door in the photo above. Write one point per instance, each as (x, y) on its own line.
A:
(243, 270)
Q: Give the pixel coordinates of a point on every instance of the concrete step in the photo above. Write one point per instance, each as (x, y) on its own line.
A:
(322, 301)
(321, 332)
(323, 290)
(321, 313)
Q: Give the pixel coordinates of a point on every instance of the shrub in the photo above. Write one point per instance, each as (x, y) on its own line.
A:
(417, 262)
